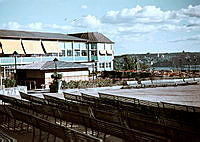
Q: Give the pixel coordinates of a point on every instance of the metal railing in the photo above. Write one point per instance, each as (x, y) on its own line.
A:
(26, 60)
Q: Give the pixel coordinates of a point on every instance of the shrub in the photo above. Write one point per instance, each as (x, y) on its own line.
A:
(9, 82)
(56, 75)
(54, 85)
(88, 84)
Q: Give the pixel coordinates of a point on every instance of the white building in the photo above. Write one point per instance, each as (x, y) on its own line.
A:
(88, 48)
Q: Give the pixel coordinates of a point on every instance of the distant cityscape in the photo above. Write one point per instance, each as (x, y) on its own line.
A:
(165, 61)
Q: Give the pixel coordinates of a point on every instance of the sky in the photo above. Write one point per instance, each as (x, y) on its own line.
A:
(136, 26)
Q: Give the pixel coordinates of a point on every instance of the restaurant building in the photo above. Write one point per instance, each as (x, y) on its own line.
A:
(90, 48)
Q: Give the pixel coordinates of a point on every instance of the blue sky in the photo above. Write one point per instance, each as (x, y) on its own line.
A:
(136, 26)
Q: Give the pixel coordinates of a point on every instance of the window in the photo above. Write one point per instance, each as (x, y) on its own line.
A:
(108, 46)
(94, 53)
(101, 65)
(68, 45)
(107, 65)
(110, 65)
(93, 46)
(69, 52)
(76, 45)
(77, 52)
(83, 53)
(83, 46)
(62, 53)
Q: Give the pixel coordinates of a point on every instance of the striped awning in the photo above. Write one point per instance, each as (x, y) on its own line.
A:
(32, 46)
(51, 46)
(10, 45)
(109, 52)
(102, 52)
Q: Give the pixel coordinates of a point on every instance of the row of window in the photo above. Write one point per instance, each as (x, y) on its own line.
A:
(76, 53)
(105, 65)
(75, 45)
(80, 53)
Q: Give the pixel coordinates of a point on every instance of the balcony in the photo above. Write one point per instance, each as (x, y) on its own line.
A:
(81, 58)
(27, 60)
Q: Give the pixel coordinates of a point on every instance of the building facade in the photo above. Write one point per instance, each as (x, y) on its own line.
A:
(87, 48)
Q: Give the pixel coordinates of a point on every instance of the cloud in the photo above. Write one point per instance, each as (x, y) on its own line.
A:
(36, 26)
(12, 25)
(138, 14)
(192, 38)
(152, 19)
(84, 6)
(192, 11)
(88, 21)
(152, 15)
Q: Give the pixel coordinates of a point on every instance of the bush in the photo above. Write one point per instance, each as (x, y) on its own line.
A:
(56, 75)
(87, 84)
(54, 85)
(9, 82)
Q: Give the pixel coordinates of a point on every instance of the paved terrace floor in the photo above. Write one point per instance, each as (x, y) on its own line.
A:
(185, 95)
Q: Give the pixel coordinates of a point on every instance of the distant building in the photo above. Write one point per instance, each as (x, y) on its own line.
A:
(88, 48)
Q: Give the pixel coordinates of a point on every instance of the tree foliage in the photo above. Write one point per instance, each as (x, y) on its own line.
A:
(125, 62)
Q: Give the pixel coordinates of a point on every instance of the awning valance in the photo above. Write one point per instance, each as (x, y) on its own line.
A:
(10, 45)
(102, 52)
(51, 46)
(32, 46)
(109, 52)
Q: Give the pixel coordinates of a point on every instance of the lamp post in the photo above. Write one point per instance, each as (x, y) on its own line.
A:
(55, 60)
(55, 85)
(15, 54)
(93, 62)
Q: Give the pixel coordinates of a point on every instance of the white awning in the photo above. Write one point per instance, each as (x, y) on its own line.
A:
(10, 45)
(109, 52)
(102, 52)
(51, 46)
(32, 46)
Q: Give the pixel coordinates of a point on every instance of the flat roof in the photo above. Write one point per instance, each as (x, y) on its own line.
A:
(50, 65)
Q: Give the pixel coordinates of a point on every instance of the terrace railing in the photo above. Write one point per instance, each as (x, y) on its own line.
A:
(28, 60)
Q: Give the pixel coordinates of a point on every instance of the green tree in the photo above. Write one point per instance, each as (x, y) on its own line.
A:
(125, 62)
(130, 62)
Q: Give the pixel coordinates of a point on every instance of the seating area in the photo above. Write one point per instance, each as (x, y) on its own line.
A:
(94, 118)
